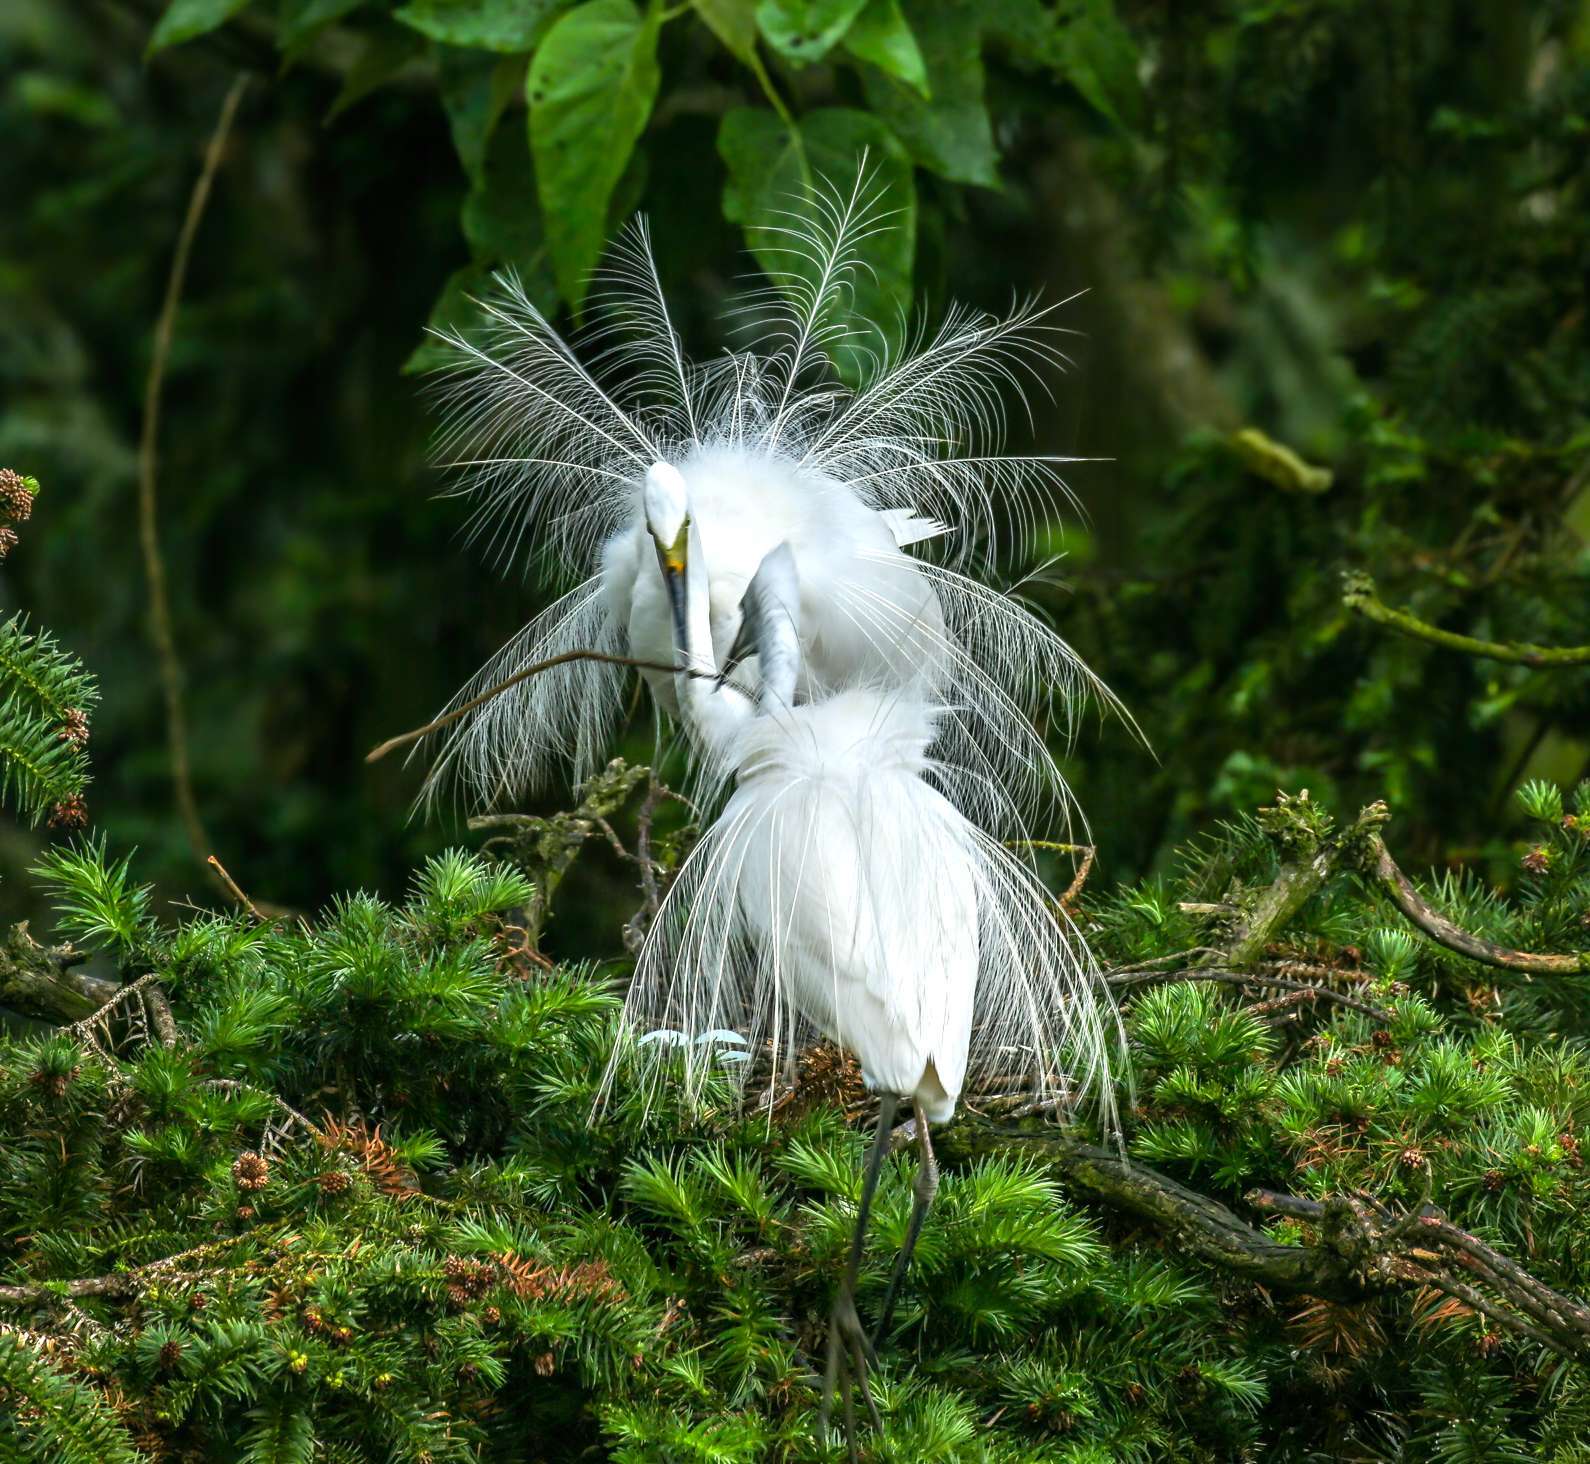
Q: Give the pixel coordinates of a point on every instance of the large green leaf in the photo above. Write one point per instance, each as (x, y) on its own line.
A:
(773, 172)
(806, 30)
(185, 19)
(950, 133)
(502, 222)
(509, 26)
(882, 37)
(476, 86)
(591, 89)
(733, 22)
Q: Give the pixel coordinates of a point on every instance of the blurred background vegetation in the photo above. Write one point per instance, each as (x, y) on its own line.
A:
(1357, 227)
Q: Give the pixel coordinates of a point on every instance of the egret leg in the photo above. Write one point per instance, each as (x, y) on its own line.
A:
(923, 1189)
(849, 1352)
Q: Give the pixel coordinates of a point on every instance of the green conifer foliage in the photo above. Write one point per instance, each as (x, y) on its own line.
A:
(356, 1203)
(46, 697)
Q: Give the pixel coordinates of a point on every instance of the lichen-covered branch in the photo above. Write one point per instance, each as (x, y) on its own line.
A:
(1358, 595)
(1360, 1248)
(40, 981)
(1313, 854)
(1443, 931)
(546, 848)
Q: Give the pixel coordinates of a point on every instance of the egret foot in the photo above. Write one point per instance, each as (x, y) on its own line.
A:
(849, 1357)
(849, 1352)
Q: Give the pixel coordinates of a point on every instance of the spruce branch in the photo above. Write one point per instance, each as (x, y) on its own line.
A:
(1358, 595)
(1306, 990)
(43, 724)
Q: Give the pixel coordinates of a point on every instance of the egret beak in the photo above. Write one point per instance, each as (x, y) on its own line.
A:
(671, 560)
(743, 646)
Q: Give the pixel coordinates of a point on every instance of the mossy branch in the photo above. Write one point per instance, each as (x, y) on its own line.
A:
(1358, 595)
(1433, 923)
(1360, 1247)
(40, 981)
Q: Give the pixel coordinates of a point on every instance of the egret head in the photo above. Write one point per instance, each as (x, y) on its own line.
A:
(770, 626)
(667, 502)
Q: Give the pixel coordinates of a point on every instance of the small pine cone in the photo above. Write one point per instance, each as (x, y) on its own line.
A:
(334, 1181)
(170, 1354)
(71, 812)
(16, 502)
(1381, 1037)
(491, 1316)
(74, 727)
(251, 1171)
(1411, 1158)
(245, 1212)
(1494, 1179)
(1538, 860)
(54, 1084)
(198, 1301)
(8, 540)
(1488, 1343)
(458, 1296)
(545, 1365)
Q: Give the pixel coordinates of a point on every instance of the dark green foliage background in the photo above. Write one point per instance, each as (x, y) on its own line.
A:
(1359, 227)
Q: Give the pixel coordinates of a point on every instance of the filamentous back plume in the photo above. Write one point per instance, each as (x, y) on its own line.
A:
(863, 483)
(839, 894)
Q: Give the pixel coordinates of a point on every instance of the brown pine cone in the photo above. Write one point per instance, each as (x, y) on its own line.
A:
(16, 500)
(71, 812)
(251, 1171)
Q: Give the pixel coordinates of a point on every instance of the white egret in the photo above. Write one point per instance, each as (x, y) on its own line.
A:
(774, 450)
(840, 892)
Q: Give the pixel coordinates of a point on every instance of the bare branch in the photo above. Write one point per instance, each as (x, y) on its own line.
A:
(1441, 930)
(160, 621)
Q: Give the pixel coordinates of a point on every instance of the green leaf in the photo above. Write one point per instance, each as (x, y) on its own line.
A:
(1083, 42)
(509, 26)
(773, 172)
(733, 22)
(301, 21)
(950, 134)
(591, 89)
(881, 36)
(806, 30)
(386, 52)
(502, 222)
(501, 218)
(185, 19)
(476, 88)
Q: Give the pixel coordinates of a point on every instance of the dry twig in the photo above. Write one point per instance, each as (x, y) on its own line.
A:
(160, 622)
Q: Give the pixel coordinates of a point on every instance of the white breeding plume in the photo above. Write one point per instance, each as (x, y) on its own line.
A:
(839, 894)
(774, 449)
